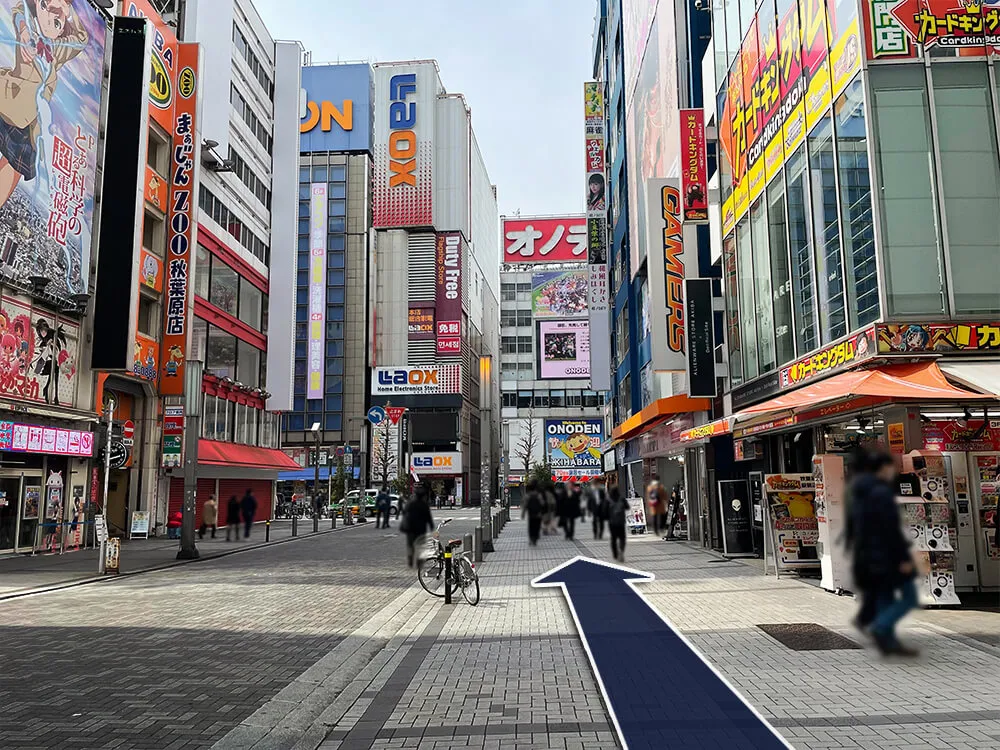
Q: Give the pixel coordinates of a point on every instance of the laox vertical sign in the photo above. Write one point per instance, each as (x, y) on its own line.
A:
(404, 125)
(448, 293)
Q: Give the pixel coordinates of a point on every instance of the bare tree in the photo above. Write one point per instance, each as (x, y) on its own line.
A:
(526, 445)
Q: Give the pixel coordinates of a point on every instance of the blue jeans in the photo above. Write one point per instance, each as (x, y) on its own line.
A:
(891, 609)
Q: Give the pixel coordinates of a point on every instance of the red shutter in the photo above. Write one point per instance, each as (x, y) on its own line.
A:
(205, 488)
(261, 489)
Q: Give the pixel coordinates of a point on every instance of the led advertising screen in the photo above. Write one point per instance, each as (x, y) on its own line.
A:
(338, 114)
(564, 350)
(52, 57)
(559, 294)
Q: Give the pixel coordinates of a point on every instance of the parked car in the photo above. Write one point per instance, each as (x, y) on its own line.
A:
(354, 498)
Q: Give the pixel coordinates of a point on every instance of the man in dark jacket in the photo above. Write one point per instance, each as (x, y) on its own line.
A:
(417, 520)
(248, 508)
(383, 504)
(883, 567)
(617, 511)
(534, 508)
(597, 506)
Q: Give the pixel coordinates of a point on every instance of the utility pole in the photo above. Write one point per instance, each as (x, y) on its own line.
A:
(192, 431)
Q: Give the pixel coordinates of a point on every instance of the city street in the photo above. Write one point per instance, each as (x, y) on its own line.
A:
(328, 642)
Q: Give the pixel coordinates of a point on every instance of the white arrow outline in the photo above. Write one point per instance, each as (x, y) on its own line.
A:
(637, 575)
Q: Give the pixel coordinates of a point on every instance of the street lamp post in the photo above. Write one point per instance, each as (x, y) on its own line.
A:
(315, 502)
(107, 475)
(192, 431)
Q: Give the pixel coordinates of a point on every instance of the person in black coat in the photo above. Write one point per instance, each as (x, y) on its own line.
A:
(233, 518)
(534, 508)
(248, 507)
(417, 520)
(883, 566)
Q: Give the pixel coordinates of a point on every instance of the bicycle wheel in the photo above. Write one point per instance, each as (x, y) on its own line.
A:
(430, 573)
(468, 581)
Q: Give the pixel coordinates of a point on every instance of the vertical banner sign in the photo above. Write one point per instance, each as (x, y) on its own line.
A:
(173, 436)
(402, 191)
(597, 238)
(694, 163)
(182, 229)
(667, 270)
(317, 289)
(448, 293)
(700, 338)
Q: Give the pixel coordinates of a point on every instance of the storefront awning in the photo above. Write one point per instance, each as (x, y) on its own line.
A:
(656, 412)
(216, 453)
(919, 381)
(980, 376)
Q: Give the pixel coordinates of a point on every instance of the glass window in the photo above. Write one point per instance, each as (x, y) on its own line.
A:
(334, 385)
(336, 242)
(910, 238)
(333, 403)
(784, 344)
(149, 316)
(335, 278)
(524, 399)
(220, 353)
(829, 265)
(856, 206)
(800, 239)
(338, 173)
(338, 190)
(541, 399)
(732, 30)
(747, 319)
(762, 285)
(335, 348)
(208, 418)
(334, 330)
(250, 304)
(719, 40)
(732, 309)
(334, 260)
(332, 422)
(508, 292)
(509, 399)
(335, 294)
(224, 287)
(508, 344)
(202, 266)
(319, 174)
(508, 317)
(248, 364)
(338, 208)
(970, 183)
(199, 335)
(524, 345)
(557, 398)
(524, 317)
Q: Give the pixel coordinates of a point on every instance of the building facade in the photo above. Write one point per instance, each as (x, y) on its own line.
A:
(550, 415)
(333, 326)
(436, 286)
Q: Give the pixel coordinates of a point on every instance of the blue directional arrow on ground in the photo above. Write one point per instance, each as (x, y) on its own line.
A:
(660, 691)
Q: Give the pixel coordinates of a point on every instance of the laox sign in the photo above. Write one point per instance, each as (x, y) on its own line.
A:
(426, 462)
(408, 377)
(402, 139)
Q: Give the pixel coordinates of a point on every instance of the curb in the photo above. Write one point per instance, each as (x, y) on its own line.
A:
(166, 566)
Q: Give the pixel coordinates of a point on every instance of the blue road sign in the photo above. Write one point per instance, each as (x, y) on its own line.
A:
(660, 691)
(376, 415)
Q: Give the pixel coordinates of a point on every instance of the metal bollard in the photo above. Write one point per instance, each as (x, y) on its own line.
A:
(295, 523)
(267, 530)
(447, 577)
(477, 544)
(333, 520)
(315, 521)
(496, 527)
(467, 543)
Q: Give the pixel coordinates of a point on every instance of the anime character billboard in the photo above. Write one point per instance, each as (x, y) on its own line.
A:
(51, 67)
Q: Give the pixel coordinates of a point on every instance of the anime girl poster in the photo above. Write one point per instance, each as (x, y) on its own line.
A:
(51, 68)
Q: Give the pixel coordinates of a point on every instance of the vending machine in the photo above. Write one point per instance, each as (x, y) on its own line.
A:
(977, 485)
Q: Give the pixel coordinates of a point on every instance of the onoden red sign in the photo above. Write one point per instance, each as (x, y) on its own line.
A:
(545, 240)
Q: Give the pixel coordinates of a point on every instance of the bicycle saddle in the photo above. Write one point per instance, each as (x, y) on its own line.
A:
(454, 542)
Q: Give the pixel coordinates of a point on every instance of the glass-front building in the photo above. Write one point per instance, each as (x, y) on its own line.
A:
(859, 175)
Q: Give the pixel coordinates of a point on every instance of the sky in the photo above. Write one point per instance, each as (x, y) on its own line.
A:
(521, 65)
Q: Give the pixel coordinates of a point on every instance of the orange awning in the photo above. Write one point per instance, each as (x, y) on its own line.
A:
(658, 411)
(919, 381)
(216, 453)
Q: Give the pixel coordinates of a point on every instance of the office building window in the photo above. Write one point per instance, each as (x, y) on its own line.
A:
(801, 243)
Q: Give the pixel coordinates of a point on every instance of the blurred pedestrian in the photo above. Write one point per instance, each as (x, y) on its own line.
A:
(233, 518)
(174, 521)
(574, 499)
(883, 565)
(597, 506)
(656, 501)
(534, 508)
(549, 518)
(673, 512)
(248, 509)
(617, 510)
(383, 504)
(209, 517)
(417, 520)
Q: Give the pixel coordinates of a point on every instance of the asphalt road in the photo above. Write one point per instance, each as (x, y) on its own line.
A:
(176, 658)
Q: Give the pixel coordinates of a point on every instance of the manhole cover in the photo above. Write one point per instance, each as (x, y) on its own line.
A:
(807, 636)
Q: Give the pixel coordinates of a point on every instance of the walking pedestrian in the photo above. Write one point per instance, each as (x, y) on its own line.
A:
(248, 508)
(233, 518)
(617, 510)
(656, 500)
(416, 520)
(534, 508)
(597, 506)
(383, 503)
(209, 517)
(174, 522)
(883, 566)
(673, 512)
(547, 491)
(572, 510)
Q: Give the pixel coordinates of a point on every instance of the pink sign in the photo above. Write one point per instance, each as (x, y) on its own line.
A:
(36, 439)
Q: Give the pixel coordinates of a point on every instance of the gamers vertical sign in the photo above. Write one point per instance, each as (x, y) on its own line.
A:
(668, 264)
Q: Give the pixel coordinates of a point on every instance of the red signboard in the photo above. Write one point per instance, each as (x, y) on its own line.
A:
(545, 240)
(954, 436)
(395, 413)
(448, 292)
(183, 203)
(694, 163)
(943, 23)
(595, 154)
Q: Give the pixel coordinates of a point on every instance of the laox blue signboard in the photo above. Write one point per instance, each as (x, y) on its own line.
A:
(337, 115)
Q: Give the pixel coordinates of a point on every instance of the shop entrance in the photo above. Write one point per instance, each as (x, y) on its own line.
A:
(118, 487)
(10, 497)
